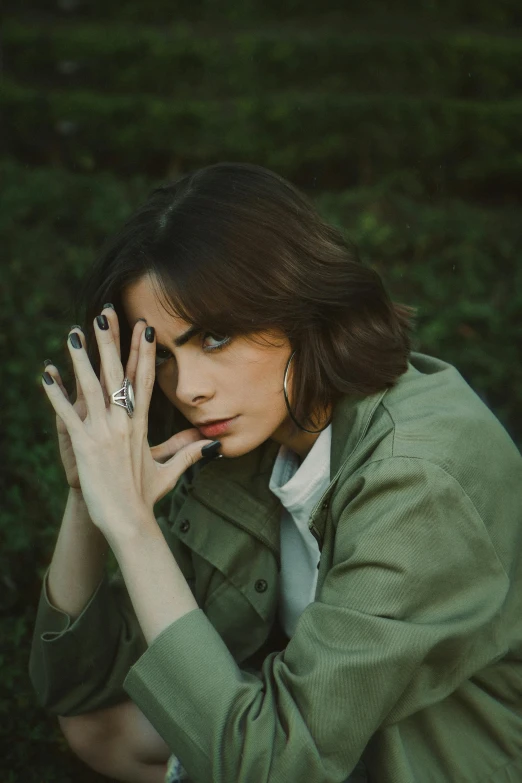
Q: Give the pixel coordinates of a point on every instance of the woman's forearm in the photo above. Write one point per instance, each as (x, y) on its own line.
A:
(157, 587)
(79, 558)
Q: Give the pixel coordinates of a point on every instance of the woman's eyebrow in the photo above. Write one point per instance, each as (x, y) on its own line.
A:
(186, 336)
(183, 338)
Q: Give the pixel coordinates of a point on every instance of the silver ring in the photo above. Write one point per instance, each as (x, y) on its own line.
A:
(125, 397)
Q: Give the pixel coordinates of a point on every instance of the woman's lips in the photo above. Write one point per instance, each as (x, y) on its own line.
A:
(211, 430)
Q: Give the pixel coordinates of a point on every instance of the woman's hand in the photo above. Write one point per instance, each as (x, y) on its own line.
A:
(64, 441)
(119, 477)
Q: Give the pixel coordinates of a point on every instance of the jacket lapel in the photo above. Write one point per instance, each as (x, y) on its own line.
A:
(237, 490)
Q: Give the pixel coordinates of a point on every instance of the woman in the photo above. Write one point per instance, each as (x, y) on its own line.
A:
(337, 596)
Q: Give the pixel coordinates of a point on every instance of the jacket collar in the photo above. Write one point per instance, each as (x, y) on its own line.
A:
(350, 421)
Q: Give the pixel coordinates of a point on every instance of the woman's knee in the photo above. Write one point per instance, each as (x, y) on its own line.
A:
(123, 725)
(85, 733)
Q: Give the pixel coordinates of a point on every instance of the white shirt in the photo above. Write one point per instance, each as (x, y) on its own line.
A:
(299, 487)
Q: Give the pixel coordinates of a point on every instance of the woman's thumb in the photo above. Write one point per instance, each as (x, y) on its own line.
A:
(211, 451)
(200, 451)
(169, 448)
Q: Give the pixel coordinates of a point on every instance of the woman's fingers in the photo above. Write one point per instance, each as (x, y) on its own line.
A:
(145, 373)
(79, 390)
(86, 376)
(180, 452)
(132, 361)
(63, 408)
(110, 363)
(109, 312)
(167, 449)
(107, 334)
(110, 353)
(134, 353)
(52, 369)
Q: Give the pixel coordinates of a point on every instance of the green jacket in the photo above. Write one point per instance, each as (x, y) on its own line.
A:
(410, 656)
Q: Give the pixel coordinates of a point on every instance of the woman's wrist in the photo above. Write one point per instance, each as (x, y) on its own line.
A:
(78, 506)
(77, 494)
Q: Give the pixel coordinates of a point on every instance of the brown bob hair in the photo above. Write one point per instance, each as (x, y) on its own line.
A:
(235, 249)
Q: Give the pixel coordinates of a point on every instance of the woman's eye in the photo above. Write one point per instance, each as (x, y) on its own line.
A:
(161, 356)
(221, 341)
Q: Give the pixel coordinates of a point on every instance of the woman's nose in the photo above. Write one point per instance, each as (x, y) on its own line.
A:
(192, 386)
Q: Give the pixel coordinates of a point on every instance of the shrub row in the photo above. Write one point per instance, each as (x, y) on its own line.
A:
(450, 145)
(502, 12)
(185, 63)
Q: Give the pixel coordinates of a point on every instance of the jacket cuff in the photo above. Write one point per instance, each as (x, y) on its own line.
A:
(56, 621)
(183, 684)
(67, 663)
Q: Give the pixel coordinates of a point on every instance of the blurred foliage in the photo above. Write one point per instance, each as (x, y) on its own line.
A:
(501, 12)
(449, 143)
(402, 126)
(116, 58)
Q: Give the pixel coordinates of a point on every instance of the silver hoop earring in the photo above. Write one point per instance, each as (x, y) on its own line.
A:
(288, 404)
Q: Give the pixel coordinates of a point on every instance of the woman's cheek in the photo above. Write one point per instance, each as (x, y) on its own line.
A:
(166, 380)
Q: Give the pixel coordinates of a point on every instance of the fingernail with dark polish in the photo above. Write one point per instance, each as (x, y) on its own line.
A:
(102, 321)
(108, 304)
(75, 340)
(76, 326)
(211, 450)
(47, 362)
(149, 334)
(47, 378)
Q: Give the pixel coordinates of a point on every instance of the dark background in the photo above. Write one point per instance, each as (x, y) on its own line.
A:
(400, 119)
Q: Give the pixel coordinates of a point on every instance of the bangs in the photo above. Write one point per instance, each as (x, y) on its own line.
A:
(208, 293)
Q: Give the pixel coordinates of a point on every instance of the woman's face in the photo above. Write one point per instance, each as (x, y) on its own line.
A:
(240, 379)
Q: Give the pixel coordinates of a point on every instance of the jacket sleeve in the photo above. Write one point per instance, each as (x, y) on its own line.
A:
(77, 666)
(408, 610)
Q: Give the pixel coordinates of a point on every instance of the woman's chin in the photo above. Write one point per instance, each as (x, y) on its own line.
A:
(236, 446)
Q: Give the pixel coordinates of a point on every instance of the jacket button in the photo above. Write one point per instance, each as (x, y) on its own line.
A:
(261, 585)
(325, 505)
(184, 526)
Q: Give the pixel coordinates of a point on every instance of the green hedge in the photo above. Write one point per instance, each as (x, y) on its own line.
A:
(447, 143)
(182, 62)
(502, 12)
